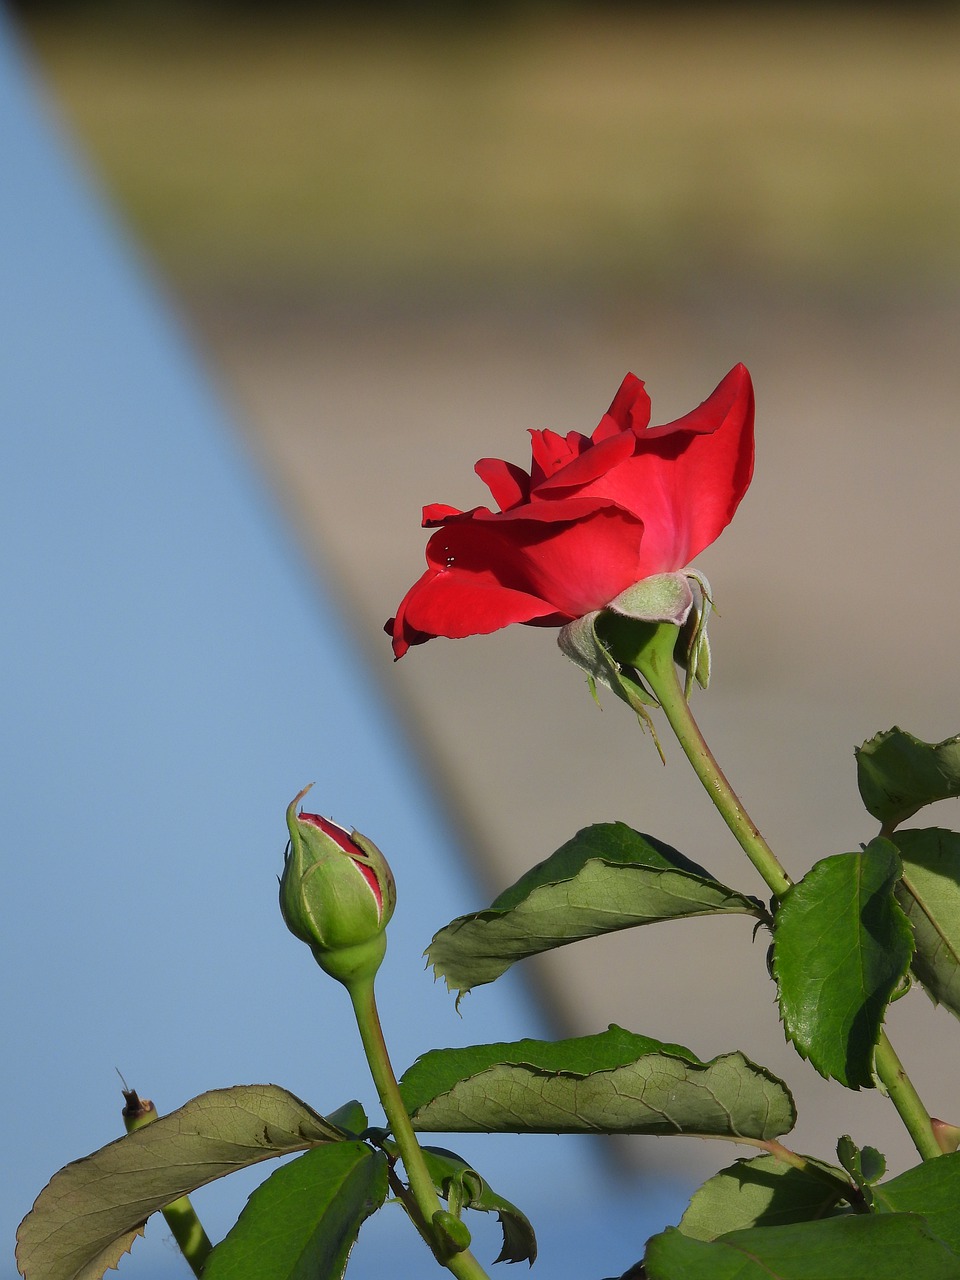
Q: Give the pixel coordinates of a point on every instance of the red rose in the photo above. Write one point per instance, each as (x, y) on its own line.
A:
(595, 515)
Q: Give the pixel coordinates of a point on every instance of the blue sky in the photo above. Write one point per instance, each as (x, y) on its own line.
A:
(174, 675)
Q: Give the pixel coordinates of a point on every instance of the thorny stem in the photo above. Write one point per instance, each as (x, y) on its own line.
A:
(905, 1098)
(463, 1265)
(180, 1215)
(655, 663)
(405, 1196)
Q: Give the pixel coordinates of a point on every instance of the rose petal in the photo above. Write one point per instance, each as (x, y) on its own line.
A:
(589, 466)
(552, 451)
(687, 479)
(508, 483)
(455, 605)
(707, 416)
(575, 507)
(438, 513)
(572, 559)
(629, 411)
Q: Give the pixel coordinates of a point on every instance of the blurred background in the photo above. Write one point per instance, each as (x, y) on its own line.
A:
(400, 235)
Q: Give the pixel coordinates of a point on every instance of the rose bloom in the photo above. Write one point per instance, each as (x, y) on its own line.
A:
(595, 515)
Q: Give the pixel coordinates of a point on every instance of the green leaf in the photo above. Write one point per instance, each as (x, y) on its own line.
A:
(854, 1247)
(931, 1189)
(865, 1165)
(351, 1118)
(615, 1082)
(439, 1070)
(929, 893)
(764, 1192)
(109, 1257)
(87, 1209)
(841, 946)
(898, 774)
(462, 1186)
(608, 877)
(303, 1221)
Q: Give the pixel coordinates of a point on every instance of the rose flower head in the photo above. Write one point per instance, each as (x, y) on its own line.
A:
(593, 516)
(337, 894)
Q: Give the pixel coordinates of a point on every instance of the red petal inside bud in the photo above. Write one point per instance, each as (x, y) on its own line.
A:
(350, 848)
(370, 876)
(330, 829)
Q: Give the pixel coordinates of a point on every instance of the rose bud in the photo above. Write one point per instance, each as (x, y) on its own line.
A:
(337, 895)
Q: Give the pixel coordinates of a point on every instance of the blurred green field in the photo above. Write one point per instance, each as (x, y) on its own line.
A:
(797, 149)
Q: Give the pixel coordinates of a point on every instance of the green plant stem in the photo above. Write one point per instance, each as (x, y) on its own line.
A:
(463, 1265)
(903, 1095)
(655, 662)
(179, 1215)
(187, 1230)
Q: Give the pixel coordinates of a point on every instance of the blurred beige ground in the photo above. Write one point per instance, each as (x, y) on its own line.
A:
(454, 260)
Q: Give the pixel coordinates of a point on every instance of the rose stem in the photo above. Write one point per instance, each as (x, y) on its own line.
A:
(655, 661)
(180, 1215)
(463, 1265)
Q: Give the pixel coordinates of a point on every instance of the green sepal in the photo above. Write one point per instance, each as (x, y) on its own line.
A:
(692, 651)
(663, 597)
(841, 945)
(595, 643)
(580, 642)
(349, 965)
(650, 618)
(607, 878)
